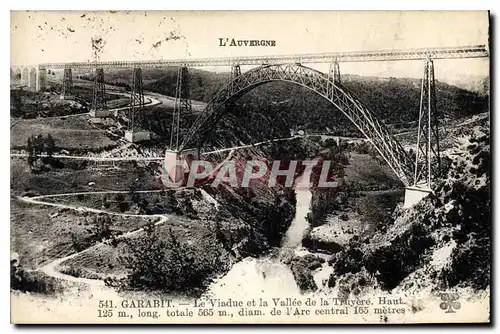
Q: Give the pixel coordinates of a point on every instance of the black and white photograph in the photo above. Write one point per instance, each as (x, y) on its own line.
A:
(244, 167)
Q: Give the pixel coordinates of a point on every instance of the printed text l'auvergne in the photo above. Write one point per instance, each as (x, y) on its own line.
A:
(245, 42)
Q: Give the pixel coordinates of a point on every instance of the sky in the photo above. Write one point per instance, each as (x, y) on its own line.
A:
(58, 36)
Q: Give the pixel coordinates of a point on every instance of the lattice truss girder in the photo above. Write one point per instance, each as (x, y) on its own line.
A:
(472, 51)
(136, 112)
(67, 84)
(374, 130)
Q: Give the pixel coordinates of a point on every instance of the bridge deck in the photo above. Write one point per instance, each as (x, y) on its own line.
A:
(474, 51)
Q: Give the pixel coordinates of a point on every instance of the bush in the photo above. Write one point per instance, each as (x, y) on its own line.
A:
(122, 203)
(390, 264)
(166, 264)
(303, 268)
(79, 243)
(32, 281)
(101, 227)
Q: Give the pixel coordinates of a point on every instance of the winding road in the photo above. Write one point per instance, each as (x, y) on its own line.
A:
(107, 157)
(51, 269)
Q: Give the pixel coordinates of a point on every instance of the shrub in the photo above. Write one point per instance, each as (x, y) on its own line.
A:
(303, 268)
(166, 264)
(79, 243)
(32, 281)
(101, 228)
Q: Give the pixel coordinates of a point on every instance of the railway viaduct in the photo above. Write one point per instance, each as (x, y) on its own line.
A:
(416, 173)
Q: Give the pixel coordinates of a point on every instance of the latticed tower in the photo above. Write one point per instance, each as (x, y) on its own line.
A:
(99, 94)
(136, 101)
(333, 77)
(67, 84)
(427, 161)
(335, 72)
(235, 72)
(182, 101)
(182, 105)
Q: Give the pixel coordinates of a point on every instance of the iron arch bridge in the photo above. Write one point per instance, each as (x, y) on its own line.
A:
(322, 84)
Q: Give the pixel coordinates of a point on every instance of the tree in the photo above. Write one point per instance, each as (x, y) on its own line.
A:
(122, 204)
(34, 148)
(39, 144)
(167, 264)
(31, 151)
(17, 104)
(50, 145)
(132, 191)
(101, 228)
(36, 145)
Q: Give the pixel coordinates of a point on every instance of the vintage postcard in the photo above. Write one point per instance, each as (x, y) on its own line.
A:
(173, 167)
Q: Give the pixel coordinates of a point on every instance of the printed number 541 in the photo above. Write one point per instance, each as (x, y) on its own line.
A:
(105, 304)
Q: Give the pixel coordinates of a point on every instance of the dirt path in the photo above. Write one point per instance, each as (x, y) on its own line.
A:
(36, 200)
(88, 158)
(107, 156)
(149, 102)
(51, 269)
(140, 158)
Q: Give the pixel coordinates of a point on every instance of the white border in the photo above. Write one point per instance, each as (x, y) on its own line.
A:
(203, 5)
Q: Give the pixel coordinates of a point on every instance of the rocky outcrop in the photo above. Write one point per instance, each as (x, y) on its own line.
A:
(456, 217)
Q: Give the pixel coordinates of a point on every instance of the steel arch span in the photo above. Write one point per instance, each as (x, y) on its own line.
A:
(372, 128)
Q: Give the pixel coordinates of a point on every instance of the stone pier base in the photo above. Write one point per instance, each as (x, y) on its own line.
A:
(137, 136)
(102, 121)
(176, 166)
(413, 195)
(100, 113)
(173, 169)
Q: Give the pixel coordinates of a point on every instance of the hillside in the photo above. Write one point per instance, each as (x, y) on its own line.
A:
(442, 242)
(272, 110)
(474, 83)
(392, 99)
(203, 84)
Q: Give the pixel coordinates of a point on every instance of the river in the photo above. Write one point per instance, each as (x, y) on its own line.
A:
(295, 233)
(267, 275)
